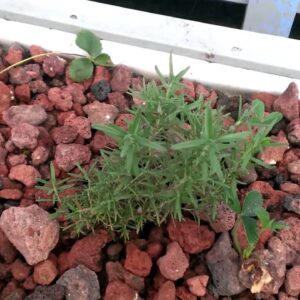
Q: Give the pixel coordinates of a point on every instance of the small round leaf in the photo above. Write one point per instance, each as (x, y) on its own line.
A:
(89, 42)
(102, 60)
(81, 69)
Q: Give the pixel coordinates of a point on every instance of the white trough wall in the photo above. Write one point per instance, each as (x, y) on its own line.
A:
(143, 60)
(249, 50)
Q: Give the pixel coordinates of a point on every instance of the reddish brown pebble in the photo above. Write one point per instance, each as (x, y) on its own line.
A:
(20, 270)
(45, 272)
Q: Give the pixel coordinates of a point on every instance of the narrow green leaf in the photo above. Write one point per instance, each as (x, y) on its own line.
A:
(251, 229)
(112, 130)
(252, 201)
(215, 164)
(81, 69)
(189, 144)
(258, 107)
(102, 60)
(233, 137)
(89, 42)
(208, 126)
(153, 145)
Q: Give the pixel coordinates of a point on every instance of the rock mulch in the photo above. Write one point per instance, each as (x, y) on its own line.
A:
(46, 117)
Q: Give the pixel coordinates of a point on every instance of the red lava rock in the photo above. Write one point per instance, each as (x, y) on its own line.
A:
(36, 50)
(26, 202)
(3, 170)
(294, 167)
(87, 251)
(154, 249)
(201, 90)
(287, 102)
(274, 154)
(61, 98)
(113, 250)
(3, 155)
(188, 90)
(43, 101)
(16, 159)
(64, 134)
(197, 285)
(166, 291)
(101, 73)
(82, 126)
(293, 130)
(137, 262)
(115, 271)
(11, 194)
(18, 75)
(183, 294)
(118, 100)
(117, 290)
(225, 218)
(24, 74)
(67, 155)
(78, 109)
(22, 93)
(101, 113)
(7, 251)
(29, 284)
(292, 281)
(6, 97)
(24, 136)
(123, 120)
(76, 91)
(137, 83)
(31, 114)
(14, 54)
(54, 65)
(11, 291)
(290, 237)
(174, 263)
(101, 141)
(39, 155)
(262, 187)
(284, 296)
(190, 236)
(31, 231)
(19, 270)
(38, 86)
(63, 262)
(121, 79)
(44, 272)
(291, 188)
(28, 175)
(266, 98)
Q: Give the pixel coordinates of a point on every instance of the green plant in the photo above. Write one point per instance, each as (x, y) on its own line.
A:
(252, 212)
(175, 158)
(82, 68)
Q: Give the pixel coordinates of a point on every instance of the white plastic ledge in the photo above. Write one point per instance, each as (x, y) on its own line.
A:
(144, 60)
(249, 50)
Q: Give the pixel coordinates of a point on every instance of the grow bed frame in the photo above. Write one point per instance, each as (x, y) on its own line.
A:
(228, 59)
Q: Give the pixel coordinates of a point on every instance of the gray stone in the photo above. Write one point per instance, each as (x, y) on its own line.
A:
(81, 284)
(292, 203)
(224, 265)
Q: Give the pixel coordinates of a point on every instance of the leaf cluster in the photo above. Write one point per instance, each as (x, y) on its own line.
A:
(252, 212)
(82, 68)
(175, 158)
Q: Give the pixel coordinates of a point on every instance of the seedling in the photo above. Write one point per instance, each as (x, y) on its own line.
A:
(252, 212)
(176, 158)
(82, 68)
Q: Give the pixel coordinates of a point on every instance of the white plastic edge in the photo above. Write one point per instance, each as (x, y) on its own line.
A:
(143, 60)
(217, 44)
